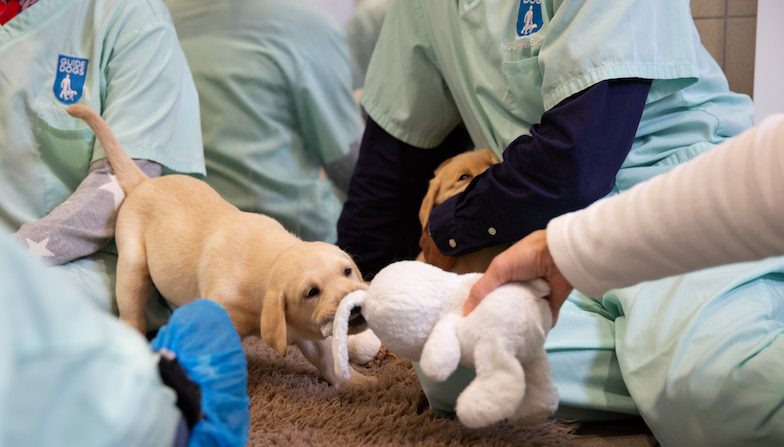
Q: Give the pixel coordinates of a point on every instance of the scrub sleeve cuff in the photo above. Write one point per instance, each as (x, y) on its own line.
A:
(443, 229)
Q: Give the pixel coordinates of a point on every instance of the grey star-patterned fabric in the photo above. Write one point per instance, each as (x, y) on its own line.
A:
(84, 223)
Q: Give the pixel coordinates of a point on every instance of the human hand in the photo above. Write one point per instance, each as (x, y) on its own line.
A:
(432, 254)
(527, 259)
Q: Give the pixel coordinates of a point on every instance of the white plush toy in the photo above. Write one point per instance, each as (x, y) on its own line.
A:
(416, 311)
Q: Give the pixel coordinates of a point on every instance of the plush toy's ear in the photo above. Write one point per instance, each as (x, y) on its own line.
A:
(340, 332)
(273, 321)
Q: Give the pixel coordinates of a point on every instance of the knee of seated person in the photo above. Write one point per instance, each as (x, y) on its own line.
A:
(724, 385)
(744, 405)
(726, 418)
(442, 396)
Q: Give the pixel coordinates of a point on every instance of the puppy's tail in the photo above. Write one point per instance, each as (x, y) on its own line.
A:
(340, 332)
(129, 176)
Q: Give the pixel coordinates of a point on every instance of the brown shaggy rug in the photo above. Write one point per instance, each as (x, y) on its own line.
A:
(291, 406)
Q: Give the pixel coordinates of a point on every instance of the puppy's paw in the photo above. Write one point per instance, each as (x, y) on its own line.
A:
(532, 418)
(361, 380)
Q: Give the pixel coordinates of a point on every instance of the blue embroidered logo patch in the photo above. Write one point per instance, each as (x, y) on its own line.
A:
(69, 83)
(529, 17)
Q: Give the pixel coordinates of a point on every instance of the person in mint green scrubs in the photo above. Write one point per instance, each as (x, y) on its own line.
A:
(274, 82)
(581, 100)
(362, 32)
(123, 60)
(73, 375)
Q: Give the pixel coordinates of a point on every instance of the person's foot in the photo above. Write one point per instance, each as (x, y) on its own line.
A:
(209, 349)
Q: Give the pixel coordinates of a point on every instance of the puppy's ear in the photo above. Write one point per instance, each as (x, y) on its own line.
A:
(273, 321)
(492, 158)
(432, 191)
(429, 202)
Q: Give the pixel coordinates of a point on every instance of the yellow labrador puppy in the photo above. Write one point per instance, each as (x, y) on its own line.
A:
(450, 178)
(178, 233)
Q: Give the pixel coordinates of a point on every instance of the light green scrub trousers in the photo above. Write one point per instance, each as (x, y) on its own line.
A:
(96, 275)
(701, 355)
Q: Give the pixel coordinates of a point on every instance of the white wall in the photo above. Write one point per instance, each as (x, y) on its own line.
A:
(769, 59)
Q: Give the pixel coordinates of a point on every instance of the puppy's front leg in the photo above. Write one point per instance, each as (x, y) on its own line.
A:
(319, 353)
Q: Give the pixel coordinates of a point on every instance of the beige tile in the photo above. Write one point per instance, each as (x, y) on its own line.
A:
(739, 53)
(741, 8)
(707, 8)
(712, 37)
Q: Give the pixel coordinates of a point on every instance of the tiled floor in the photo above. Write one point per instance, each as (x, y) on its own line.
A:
(617, 441)
(627, 433)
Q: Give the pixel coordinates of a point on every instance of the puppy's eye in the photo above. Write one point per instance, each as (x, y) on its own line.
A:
(312, 292)
(347, 272)
(464, 177)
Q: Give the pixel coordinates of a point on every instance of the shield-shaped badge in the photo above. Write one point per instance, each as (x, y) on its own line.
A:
(529, 17)
(69, 83)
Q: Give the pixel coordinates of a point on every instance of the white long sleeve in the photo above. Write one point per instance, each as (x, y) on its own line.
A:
(724, 206)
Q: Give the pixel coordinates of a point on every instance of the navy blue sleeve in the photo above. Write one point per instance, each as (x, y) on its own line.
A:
(569, 161)
(379, 223)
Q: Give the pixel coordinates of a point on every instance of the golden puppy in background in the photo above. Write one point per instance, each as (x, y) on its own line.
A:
(452, 177)
(176, 232)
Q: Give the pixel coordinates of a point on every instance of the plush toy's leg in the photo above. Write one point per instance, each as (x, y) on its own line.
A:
(441, 353)
(541, 397)
(363, 347)
(498, 388)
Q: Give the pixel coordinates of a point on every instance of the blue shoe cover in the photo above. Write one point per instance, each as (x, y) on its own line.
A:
(209, 349)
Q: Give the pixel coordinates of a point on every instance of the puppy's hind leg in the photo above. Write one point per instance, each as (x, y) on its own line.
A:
(134, 284)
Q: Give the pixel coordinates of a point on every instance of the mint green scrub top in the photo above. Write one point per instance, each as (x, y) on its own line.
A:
(497, 67)
(274, 82)
(122, 59)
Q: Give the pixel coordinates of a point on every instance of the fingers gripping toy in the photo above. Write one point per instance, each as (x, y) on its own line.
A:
(416, 311)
